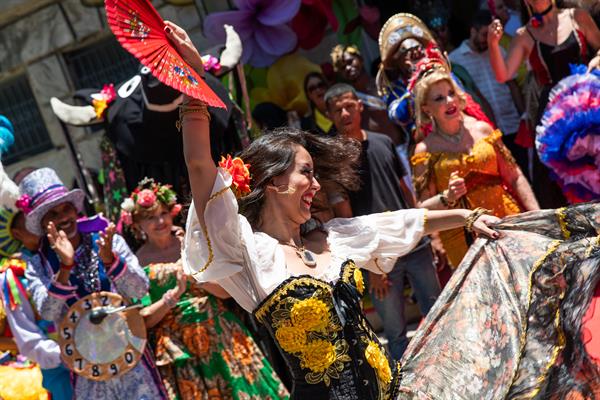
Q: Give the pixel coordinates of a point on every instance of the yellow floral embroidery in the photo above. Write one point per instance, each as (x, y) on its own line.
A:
(351, 270)
(318, 355)
(282, 292)
(358, 278)
(308, 329)
(310, 315)
(324, 363)
(561, 214)
(379, 362)
(291, 338)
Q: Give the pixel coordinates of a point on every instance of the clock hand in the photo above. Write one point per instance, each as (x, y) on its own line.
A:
(98, 314)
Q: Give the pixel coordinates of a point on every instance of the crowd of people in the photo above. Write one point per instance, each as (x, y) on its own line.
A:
(416, 175)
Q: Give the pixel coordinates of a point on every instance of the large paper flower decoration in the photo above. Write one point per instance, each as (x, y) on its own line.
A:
(311, 22)
(262, 27)
(284, 82)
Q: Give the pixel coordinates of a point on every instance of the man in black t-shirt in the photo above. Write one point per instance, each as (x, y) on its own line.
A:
(384, 189)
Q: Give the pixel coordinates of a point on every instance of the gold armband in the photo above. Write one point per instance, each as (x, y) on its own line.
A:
(189, 109)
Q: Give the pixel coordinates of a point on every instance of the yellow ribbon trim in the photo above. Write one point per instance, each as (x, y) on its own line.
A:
(562, 215)
(555, 352)
(211, 255)
(524, 325)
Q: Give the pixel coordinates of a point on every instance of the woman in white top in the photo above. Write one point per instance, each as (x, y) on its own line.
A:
(304, 289)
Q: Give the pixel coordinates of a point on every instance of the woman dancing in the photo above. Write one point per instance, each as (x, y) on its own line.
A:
(463, 163)
(202, 349)
(304, 289)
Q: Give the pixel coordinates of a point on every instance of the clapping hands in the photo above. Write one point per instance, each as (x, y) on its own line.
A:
(60, 243)
(104, 244)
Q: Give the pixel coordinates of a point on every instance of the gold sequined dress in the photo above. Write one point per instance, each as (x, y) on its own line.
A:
(485, 187)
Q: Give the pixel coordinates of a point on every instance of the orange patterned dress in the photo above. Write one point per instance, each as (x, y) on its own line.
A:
(202, 349)
(485, 187)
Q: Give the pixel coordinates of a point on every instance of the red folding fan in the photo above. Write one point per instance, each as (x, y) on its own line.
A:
(140, 29)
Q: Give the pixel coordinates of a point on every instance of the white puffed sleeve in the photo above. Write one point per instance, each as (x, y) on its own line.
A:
(220, 257)
(375, 241)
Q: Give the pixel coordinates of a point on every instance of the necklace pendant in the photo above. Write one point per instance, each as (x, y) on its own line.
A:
(307, 257)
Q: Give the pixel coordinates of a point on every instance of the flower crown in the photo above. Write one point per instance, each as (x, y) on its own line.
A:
(240, 174)
(146, 195)
(434, 61)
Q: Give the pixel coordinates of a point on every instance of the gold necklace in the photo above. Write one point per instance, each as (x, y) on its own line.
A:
(307, 256)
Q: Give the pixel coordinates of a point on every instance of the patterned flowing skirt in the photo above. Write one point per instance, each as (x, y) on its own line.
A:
(514, 320)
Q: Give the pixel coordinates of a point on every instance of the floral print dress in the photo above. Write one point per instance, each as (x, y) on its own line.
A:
(202, 349)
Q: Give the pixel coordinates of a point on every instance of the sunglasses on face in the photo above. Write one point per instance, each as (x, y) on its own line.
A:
(320, 85)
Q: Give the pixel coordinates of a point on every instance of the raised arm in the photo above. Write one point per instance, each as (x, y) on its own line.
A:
(195, 128)
(506, 68)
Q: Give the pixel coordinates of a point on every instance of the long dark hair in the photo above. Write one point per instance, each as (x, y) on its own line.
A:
(335, 160)
(308, 77)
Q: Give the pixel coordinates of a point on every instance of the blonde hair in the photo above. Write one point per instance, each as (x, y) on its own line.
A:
(421, 92)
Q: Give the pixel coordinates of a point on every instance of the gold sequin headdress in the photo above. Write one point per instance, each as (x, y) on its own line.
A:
(397, 29)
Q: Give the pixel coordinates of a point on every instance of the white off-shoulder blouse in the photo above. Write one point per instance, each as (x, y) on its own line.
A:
(250, 265)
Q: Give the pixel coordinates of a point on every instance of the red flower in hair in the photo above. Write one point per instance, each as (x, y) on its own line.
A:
(239, 173)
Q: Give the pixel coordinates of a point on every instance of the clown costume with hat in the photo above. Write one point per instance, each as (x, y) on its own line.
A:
(73, 262)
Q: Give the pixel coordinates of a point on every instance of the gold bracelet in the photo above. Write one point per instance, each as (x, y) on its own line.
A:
(445, 201)
(383, 274)
(471, 218)
(189, 109)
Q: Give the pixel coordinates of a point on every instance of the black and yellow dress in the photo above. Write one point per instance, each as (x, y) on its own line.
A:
(316, 321)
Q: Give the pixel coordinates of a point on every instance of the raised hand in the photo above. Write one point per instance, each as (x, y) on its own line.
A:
(184, 46)
(495, 32)
(104, 244)
(60, 243)
(456, 187)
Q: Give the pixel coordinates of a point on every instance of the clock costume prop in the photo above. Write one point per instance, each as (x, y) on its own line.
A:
(101, 337)
(89, 278)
